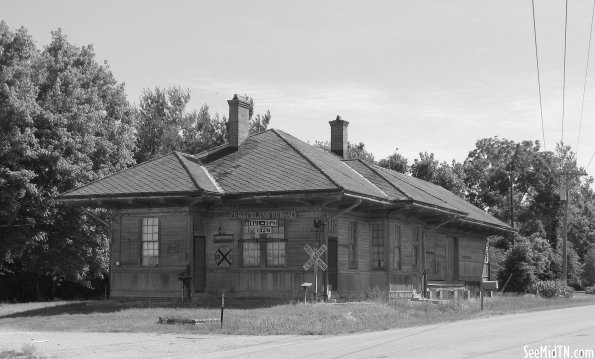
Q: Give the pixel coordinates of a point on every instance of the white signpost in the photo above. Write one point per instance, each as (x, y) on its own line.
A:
(316, 261)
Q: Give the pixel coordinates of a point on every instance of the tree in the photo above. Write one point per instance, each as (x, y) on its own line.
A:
(588, 273)
(395, 162)
(65, 122)
(162, 119)
(258, 123)
(356, 151)
(165, 125)
(441, 174)
(530, 260)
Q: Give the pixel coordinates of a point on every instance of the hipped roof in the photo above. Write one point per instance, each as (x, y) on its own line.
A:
(274, 162)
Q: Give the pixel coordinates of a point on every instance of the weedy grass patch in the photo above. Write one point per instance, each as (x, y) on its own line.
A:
(296, 319)
(28, 351)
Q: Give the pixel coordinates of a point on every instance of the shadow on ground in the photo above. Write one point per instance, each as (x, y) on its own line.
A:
(70, 308)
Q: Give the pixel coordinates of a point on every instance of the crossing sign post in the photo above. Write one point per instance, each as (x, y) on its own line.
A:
(316, 261)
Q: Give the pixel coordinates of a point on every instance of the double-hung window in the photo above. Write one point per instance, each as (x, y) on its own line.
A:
(378, 245)
(150, 241)
(255, 233)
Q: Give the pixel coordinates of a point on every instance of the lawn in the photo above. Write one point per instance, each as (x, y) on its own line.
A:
(304, 319)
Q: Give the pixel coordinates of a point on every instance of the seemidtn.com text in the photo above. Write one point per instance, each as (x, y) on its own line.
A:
(557, 352)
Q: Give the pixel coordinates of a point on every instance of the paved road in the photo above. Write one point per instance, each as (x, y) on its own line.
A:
(508, 336)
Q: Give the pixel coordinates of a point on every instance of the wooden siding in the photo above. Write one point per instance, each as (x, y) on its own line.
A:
(131, 279)
(128, 277)
(146, 282)
(471, 256)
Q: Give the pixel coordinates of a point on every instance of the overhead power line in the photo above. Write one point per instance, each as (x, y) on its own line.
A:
(580, 124)
(564, 75)
(593, 155)
(538, 76)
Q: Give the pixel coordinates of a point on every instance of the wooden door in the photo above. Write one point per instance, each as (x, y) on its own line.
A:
(452, 259)
(332, 262)
(200, 267)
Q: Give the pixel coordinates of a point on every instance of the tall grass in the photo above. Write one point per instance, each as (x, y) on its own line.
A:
(301, 319)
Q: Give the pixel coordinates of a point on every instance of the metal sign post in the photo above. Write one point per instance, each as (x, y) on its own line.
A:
(316, 260)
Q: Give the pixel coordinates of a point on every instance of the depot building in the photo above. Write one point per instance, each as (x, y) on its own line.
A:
(256, 217)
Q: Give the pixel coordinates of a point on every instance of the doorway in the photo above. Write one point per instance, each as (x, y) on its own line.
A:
(200, 268)
(332, 263)
(452, 259)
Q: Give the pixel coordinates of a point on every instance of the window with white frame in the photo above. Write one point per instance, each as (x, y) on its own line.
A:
(397, 240)
(150, 241)
(377, 245)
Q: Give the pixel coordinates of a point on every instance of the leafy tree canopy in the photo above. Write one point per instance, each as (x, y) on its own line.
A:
(65, 121)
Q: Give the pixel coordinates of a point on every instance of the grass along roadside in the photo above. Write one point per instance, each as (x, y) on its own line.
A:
(302, 319)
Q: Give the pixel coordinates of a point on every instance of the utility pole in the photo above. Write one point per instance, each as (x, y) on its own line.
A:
(565, 234)
(512, 206)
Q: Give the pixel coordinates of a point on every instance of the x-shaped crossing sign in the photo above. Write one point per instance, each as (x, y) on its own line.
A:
(315, 257)
(224, 256)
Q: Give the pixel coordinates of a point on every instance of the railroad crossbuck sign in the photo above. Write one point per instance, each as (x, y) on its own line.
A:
(315, 257)
(224, 256)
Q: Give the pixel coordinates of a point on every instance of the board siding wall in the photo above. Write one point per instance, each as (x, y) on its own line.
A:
(129, 278)
(132, 280)
(263, 280)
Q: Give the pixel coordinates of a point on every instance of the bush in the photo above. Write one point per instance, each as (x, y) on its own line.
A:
(551, 289)
(590, 290)
(588, 275)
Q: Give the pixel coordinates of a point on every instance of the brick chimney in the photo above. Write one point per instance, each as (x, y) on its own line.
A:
(239, 116)
(339, 137)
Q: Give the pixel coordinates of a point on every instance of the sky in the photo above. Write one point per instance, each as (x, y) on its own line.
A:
(421, 76)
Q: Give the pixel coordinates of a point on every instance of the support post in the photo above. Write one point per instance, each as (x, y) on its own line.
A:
(222, 306)
(325, 273)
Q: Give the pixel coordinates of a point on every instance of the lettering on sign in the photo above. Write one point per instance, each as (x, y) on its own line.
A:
(223, 238)
(224, 256)
(264, 215)
(265, 223)
(315, 259)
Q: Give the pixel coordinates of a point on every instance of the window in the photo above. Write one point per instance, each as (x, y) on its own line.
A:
(352, 244)
(397, 239)
(331, 226)
(378, 245)
(275, 254)
(150, 241)
(256, 232)
(250, 253)
(416, 245)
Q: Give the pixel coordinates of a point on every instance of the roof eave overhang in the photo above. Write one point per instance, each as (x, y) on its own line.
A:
(105, 199)
(461, 217)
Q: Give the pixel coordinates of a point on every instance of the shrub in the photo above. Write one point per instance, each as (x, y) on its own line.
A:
(551, 288)
(588, 274)
(590, 290)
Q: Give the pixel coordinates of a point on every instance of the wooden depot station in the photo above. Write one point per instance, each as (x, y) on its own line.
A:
(238, 218)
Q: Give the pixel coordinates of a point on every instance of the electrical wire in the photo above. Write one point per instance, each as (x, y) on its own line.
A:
(580, 124)
(593, 155)
(564, 76)
(538, 76)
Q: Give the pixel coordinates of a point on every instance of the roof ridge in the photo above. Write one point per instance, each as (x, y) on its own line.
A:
(307, 158)
(426, 192)
(179, 157)
(115, 173)
(364, 177)
(384, 178)
(180, 154)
